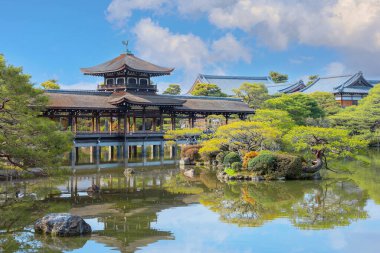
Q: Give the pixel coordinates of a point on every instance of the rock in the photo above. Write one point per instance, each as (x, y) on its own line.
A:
(257, 178)
(129, 171)
(186, 161)
(62, 224)
(189, 173)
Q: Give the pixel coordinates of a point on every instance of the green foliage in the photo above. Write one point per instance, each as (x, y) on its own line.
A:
(211, 148)
(50, 85)
(263, 163)
(312, 78)
(333, 142)
(249, 136)
(274, 166)
(278, 77)
(248, 156)
(362, 119)
(26, 139)
(182, 133)
(231, 157)
(236, 166)
(173, 89)
(326, 101)
(274, 118)
(299, 106)
(254, 94)
(230, 171)
(206, 89)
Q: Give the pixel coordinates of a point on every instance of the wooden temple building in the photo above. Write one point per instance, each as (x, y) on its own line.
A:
(347, 89)
(126, 109)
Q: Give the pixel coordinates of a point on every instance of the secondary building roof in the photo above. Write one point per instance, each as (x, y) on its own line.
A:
(126, 62)
(228, 83)
(354, 84)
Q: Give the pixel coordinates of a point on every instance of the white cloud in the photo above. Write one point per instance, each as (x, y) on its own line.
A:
(228, 48)
(120, 10)
(186, 52)
(352, 27)
(336, 69)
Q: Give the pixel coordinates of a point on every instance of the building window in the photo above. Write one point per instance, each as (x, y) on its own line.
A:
(143, 81)
(354, 102)
(120, 81)
(110, 81)
(132, 80)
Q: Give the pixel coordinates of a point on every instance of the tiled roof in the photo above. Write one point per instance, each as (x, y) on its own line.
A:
(63, 99)
(143, 99)
(228, 83)
(340, 84)
(128, 61)
(293, 87)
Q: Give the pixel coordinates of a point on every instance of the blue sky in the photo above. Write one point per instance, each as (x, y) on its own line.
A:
(53, 39)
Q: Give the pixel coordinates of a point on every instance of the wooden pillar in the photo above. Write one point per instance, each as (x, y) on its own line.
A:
(125, 124)
(161, 121)
(110, 124)
(227, 116)
(97, 119)
(128, 127)
(134, 122)
(93, 127)
(154, 124)
(192, 121)
(143, 119)
(118, 123)
(173, 121)
(75, 123)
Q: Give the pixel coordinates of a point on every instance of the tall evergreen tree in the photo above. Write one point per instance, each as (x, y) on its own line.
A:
(26, 139)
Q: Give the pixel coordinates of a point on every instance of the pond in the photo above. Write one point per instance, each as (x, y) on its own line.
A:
(157, 209)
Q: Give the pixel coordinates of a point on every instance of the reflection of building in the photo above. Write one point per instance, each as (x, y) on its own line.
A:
(228, 83)
(347, 89)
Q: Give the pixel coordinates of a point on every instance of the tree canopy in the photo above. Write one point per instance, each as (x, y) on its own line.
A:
(326, 101)
(26, 139)
(206, 89)
(299, 106)
(173, 89)
(312, 78)
(254, 94)
(51, 84)
(274, 118)
(333, 142)
(278, 77)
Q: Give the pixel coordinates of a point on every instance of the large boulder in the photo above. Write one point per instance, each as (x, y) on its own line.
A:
(62, 224)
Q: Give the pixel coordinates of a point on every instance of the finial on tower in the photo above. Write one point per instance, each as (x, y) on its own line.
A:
(125, 43)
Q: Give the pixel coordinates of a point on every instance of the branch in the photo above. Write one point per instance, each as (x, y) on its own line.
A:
(5, 100)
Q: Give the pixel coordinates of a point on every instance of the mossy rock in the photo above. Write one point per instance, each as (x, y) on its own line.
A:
(275, 166)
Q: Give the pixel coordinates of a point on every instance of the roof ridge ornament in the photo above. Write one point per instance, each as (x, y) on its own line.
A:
(125, 43)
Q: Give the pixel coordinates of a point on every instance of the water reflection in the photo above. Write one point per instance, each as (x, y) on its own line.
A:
(308, 205)
(125, 214)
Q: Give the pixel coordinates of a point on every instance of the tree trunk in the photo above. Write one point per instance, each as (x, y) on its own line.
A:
(317, 164)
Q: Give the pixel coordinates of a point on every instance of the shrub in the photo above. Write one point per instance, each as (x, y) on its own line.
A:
(230, 172)
(231, 158)
(273, 166)
(220, 156)
(248, 156)
(191, 152)
(263, 163)
(236, 166)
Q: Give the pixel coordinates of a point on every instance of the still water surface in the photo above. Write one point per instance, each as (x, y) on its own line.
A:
(159, 210)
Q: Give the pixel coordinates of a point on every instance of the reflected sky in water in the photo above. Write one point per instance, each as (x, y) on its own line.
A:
(160, 210)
